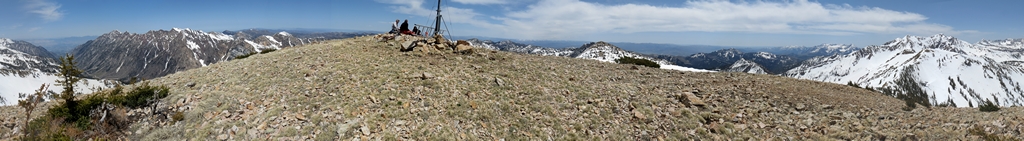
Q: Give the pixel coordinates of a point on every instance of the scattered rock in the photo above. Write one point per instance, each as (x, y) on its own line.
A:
(462, 46)
(222, 137)
(407, 45)
(801, 106)
(909, 137)
(691, 99)
(365, 130)
(190, 84)
(300, 117)
(826, 106)
(499, 82)
(639, 115)
(426, 75)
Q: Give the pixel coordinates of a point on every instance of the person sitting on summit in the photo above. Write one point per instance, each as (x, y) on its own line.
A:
(416, 31)
(394, 27)
(405, 27)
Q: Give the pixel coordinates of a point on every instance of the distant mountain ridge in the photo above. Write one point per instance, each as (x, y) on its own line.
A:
(938, 69)
(807, 52)
(123, 55)
(643, 48)
(724, 59)
(600, 50)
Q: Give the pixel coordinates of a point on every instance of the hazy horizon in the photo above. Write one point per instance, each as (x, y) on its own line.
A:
(715, 23)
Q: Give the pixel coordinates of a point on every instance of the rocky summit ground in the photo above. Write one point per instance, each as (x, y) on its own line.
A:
(364, 89)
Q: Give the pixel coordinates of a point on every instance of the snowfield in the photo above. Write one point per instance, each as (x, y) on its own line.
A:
(12, 85)
(681, 68)
(946, 69)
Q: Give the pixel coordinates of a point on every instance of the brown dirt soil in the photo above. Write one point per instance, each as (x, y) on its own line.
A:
(363, 89)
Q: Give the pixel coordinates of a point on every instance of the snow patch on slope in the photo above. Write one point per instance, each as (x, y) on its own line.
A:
(12, 85)
(681, 68)
(192, 45)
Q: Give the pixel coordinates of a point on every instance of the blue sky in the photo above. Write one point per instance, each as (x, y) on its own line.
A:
(695, 22)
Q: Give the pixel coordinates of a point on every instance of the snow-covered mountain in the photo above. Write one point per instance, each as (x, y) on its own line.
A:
(744, 65)
(508, 45)
(24, 67)
(22, 58)
(601, 51)
(938, 68)
(122, 55)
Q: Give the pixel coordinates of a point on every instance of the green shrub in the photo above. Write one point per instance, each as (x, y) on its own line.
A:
(177, 116)
(988, 106)
(850, 83)
(63, 123)
(978, 131)
(948, 103)
(910, 105)
(637, 61)
(265, 51)
(245, 56)
(46, 128)
(139, 96)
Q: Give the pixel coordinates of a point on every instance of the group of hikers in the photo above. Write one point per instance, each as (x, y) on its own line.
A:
(404, 28)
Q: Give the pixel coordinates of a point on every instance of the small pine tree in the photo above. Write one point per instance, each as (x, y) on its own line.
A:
(988, 106)
(850, 83)
(69, 75)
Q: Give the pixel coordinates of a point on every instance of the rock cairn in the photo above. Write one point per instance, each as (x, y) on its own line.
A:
(425, 45)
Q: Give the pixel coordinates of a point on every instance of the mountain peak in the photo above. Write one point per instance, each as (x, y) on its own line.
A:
(115, 33)
(918, 41)
(179, 29)
(598, 44)
(746, 66)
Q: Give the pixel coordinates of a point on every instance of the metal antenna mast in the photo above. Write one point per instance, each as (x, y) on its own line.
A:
(437, 25)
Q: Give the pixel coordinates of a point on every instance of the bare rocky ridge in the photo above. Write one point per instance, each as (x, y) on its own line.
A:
(123, 55)
(365, 89)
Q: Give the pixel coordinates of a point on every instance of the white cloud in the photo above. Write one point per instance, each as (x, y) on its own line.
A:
(555, 19)
(49, 11)
(451, 14)
(481, 2)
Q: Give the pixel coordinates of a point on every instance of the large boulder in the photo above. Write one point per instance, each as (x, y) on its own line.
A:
(463, 47)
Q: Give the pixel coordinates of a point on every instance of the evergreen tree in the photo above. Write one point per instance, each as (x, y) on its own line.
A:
(69, 75)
